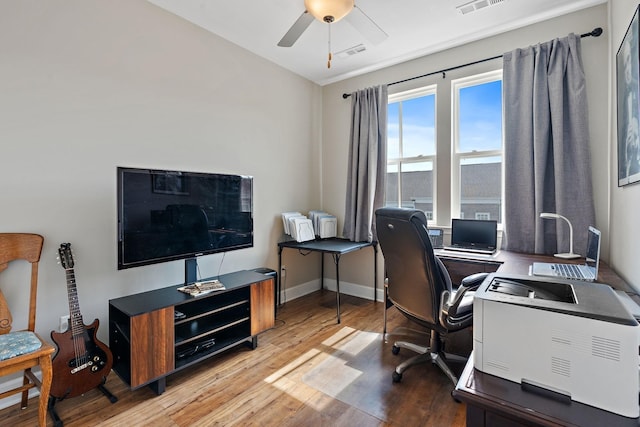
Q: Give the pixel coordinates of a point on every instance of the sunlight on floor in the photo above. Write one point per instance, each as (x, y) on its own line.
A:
(324, 370)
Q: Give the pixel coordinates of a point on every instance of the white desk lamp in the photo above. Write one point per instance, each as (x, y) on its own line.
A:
(569, 255)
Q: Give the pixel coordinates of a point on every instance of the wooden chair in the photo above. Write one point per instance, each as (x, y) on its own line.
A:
(23, 350)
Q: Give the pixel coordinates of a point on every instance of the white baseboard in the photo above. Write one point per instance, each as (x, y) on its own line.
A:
(346, 288)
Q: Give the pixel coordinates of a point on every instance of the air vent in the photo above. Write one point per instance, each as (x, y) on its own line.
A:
(561, 366)
(477, 5)
(606, 348)
(350, 51)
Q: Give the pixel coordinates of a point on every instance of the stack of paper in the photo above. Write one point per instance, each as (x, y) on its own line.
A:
(324, 224)
(298, 226)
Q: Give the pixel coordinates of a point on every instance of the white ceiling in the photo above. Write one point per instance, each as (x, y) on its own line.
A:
(415, 28)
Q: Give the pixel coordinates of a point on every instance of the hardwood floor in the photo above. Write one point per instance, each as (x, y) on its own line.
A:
(308, 371)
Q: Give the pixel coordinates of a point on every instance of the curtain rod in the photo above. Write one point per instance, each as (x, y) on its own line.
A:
(595, 33)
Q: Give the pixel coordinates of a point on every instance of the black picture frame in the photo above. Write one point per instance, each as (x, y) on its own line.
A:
(628, 104)
(169, 183)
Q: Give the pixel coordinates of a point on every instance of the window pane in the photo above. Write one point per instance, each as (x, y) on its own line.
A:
(418, 126)
(417, 185)
(480, 115)
(393, 131)
(481, 188)
(411, 135)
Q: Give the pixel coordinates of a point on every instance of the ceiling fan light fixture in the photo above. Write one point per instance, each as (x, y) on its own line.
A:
(329, 10)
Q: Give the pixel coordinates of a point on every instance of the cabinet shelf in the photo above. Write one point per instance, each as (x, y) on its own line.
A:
(190, 318)
(204, 331)
(223, 342)
(148, 343)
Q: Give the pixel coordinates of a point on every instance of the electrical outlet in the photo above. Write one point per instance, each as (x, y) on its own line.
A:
(64, 323)
(283, 271)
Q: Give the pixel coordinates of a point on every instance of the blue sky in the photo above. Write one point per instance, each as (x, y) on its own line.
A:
(480, 118)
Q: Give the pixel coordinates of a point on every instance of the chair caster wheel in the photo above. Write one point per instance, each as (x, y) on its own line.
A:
(396, 377)
(395, 349)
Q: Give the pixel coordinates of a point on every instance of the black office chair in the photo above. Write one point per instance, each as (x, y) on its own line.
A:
(418, 284)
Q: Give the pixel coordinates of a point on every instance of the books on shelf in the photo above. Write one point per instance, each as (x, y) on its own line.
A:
(201, 288)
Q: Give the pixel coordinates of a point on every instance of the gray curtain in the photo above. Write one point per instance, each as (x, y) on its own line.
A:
(547, 159)
(367, 163)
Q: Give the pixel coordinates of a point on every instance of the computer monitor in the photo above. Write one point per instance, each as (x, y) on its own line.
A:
(474, 233)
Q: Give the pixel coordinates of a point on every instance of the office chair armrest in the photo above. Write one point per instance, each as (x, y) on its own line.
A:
(450, 317)
(472, 282)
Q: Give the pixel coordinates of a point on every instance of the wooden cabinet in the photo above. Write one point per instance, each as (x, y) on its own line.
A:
(263, 315)
(153, 334)
(153, 347)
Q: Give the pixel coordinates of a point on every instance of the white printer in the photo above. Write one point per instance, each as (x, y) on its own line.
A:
(573, 338)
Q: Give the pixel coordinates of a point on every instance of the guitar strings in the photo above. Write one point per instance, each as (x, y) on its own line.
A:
(77, 329)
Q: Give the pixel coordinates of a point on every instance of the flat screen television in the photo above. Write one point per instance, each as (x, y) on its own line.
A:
(166, 215)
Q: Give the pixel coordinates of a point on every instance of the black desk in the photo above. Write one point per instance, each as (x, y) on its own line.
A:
(336, 247)
(493, 401)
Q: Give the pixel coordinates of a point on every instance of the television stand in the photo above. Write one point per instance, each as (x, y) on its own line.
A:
(149, 342)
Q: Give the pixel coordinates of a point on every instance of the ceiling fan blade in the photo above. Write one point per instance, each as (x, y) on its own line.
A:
(365, 26)
(296, 30)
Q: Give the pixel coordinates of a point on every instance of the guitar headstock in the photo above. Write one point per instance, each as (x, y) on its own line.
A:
(66, 257)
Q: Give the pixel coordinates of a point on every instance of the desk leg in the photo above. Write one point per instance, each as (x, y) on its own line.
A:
(322, 271)
(279, 284)
(336, 260)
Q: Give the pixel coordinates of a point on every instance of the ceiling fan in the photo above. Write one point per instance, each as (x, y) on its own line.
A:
(331, 11)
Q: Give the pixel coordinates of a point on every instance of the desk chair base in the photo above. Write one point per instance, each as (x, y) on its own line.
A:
(405, 332)
(425, 354)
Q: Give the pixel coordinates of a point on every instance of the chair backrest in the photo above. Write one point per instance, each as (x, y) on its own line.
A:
(20, 246)
(416, 279)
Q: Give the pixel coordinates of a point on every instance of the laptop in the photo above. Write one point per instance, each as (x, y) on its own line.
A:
(587, 271)
(474, 235)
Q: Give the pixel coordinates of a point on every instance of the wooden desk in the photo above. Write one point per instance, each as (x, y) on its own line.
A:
(336, 247)
(493, 401)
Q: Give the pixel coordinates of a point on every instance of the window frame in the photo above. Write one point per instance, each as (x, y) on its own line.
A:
(457, 156)
(398, 162)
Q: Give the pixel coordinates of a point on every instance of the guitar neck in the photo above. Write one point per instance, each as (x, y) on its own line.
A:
(75, 317)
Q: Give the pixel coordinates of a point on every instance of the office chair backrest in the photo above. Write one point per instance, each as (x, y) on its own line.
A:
(416, 278)
(20, 246)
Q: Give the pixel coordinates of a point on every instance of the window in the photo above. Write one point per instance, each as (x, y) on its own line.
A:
(477, 183)
(411, 150)
(465, 165)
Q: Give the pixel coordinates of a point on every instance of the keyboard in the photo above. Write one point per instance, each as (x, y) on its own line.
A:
(470, 249)
(569, 270)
